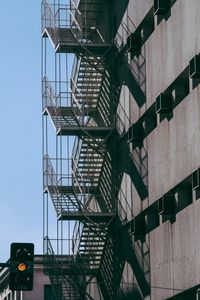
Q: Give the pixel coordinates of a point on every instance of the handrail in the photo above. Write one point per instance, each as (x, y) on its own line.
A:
(73, 19)
(74, 89)
(76, 3)
(49, 249)
(49, 255)
(75, 181)
(58, 16)
(51, 98)
(75, 67)
(66, 98)
(62, 17)
(76, 236)
(48, 93)
(49, 173)
(55, 179)
(76, 148)
(47, 15)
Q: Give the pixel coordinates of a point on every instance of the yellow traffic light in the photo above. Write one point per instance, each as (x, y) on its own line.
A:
(22, 267)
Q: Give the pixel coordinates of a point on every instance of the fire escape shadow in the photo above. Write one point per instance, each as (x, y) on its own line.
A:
(128, 254)
(129, 167)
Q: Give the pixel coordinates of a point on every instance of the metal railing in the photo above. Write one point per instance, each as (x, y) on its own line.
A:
(62, 16)
(49, 256)
(56, 182)
(76, 148)
(48, 94)
(76, 237)
(75, 91)
(56, 262)
(75, 2)
(47, 16)
(64, 172)
(49, 175)
(75, 67)
(58, 175)
(75, 14)
(55, 94)
(66, 98)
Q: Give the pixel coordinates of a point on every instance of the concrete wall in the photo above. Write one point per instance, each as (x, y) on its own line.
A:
(171, 46)
(175, 263)
(137, 10)
(173, 147)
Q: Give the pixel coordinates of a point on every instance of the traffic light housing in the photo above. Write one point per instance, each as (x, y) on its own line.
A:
(21, 266)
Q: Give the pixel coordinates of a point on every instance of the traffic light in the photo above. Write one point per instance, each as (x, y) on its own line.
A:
(21, 266)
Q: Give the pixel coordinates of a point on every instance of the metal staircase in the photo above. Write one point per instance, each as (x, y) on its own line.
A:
(88, 157)
(83, 192)
(87, 73)
(70, 117)
(88, 243)
(73, 199)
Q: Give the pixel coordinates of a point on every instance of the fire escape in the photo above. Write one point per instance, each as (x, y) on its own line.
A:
(80, 109)
(81, 174)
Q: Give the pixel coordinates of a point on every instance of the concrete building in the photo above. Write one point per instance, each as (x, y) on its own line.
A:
(121, 163)
(42, 289)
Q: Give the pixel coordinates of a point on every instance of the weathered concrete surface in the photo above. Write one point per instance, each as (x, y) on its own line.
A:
(130, 202)
(174, 253)
(186, 247)
(137, 10)
(171, 46)
(174, 147)
(161, 262)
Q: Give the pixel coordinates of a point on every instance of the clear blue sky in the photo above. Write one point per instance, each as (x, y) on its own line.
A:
(20, 125)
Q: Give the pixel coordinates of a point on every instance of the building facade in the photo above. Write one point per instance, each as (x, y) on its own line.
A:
(120, 104)
(42, 289)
